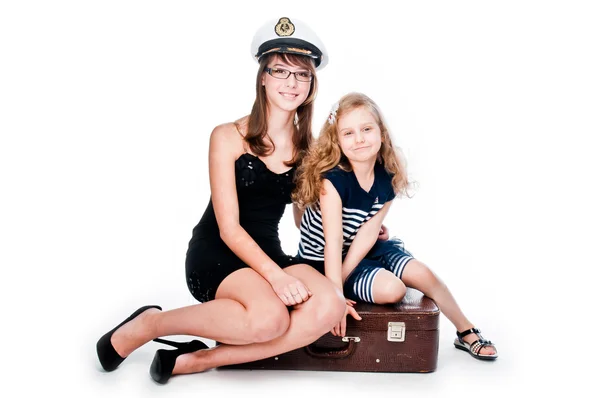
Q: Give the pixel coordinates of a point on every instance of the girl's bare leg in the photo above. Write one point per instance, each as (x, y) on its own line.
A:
(308, 321)
(417, 275)
(247, 311)
(387, 288)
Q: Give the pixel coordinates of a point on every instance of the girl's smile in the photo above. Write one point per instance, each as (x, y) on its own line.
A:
(359, 135)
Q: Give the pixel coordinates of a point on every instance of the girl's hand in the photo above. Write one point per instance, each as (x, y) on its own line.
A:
(340, 328)
(289, 289)
(383, 233)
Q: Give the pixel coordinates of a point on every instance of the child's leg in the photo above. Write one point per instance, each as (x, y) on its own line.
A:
(417, 275)
(371, 283)
(387, 288)
(401, 263)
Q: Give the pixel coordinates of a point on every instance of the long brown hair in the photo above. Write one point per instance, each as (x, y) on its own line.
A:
(326, 153)
(256, 137)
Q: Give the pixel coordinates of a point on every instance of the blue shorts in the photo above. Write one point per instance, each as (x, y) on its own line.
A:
(389, 255)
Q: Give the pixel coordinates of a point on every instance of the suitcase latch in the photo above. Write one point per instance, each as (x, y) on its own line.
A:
(396, 331)
(350, 338)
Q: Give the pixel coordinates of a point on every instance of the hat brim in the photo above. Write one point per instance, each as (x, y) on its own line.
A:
(290, 46)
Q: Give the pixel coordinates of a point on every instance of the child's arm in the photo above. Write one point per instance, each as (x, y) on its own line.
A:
(331, 214)
(364, 240)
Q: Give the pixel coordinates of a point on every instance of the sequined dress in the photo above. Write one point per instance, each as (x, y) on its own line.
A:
(262, 197)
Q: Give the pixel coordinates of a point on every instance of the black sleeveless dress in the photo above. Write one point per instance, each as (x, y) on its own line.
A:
(262, 197)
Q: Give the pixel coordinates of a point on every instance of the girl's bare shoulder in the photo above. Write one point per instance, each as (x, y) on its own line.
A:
(230, 135)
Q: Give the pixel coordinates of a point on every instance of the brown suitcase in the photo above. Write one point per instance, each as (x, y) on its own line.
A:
(390, 338)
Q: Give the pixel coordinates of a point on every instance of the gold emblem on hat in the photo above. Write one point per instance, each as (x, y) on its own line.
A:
(285, 27)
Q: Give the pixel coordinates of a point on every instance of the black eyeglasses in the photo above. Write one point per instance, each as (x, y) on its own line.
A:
(302, 76)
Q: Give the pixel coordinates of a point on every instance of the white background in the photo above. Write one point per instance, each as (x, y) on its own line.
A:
(105, 113)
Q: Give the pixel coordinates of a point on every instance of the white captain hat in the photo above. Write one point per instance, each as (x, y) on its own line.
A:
(289, 35)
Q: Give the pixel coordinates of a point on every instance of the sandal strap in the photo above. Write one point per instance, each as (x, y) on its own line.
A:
(468, 332)
(476, 347)
(479, 344)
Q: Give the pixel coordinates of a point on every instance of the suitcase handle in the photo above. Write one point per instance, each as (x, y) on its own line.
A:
(326, 352)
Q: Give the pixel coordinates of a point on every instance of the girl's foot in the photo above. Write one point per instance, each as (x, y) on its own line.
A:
(133, 334)
(473, 342)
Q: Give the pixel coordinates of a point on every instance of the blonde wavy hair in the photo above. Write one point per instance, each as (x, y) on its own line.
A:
(326, 153)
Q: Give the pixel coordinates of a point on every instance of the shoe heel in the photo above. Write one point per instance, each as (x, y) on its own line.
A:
(162, 365)
(161, 368)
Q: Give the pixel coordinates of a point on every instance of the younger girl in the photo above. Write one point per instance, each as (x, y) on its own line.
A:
(346, 184)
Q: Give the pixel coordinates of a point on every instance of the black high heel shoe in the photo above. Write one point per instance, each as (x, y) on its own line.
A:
(109, 358)
(163, 363)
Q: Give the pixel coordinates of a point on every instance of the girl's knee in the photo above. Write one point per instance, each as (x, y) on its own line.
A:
(389, 291)
(268, 325)
(333, 305)
(328, 307)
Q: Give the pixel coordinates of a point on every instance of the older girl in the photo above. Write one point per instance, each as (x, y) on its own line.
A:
(256, 300)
